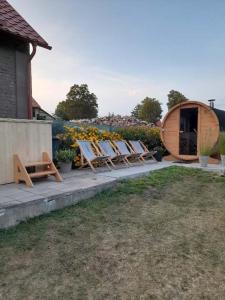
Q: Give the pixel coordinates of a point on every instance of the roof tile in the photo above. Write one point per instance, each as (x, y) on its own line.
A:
(12, 22)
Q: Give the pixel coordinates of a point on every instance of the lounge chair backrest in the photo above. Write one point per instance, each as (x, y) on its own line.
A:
(138, 148)
(87, 149)
(122, 147)
(107, 148)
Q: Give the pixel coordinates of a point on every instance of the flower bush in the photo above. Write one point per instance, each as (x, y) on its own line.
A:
(150, 136)
(71, 135)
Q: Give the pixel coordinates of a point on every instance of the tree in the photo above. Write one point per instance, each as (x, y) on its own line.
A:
(150, 110)
(79, 104)
(135, 112)
(175, 97)
(62, 111)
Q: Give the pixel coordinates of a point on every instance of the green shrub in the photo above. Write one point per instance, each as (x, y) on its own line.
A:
(65, 155)
(222, 143)
(149, 136)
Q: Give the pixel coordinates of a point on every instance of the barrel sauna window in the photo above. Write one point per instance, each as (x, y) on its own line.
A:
(188, 138)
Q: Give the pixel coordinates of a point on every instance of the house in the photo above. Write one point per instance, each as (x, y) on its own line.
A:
(18, 42)
(39, 113)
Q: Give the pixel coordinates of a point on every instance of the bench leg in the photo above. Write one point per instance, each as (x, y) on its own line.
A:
(20, 172)
(52, 167)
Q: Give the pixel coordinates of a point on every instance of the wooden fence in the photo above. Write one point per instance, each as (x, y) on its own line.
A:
(27, 138)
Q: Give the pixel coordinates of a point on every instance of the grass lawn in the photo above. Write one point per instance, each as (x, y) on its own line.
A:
(159, 237)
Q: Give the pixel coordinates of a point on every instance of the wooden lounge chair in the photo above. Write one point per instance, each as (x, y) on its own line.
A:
(125, 149)
(108, 149)
(139, 147)
(90, 154)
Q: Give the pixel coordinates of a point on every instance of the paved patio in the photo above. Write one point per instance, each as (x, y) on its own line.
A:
(18, 202)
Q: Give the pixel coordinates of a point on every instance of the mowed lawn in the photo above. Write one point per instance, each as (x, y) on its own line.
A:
(159, 237)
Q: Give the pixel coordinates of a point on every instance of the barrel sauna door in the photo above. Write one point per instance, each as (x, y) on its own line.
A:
(188, 138)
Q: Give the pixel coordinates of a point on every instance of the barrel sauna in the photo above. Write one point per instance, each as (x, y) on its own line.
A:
(188, 125)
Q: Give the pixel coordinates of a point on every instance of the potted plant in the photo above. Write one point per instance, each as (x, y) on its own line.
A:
(65, 158)
(222, 148)
(159, 153)
(204, 154)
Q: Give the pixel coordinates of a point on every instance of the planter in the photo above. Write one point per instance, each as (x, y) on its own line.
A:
(203, 161)
(65, 167)
(222, 160)
(158, 156)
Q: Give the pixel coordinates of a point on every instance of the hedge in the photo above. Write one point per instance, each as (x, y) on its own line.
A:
(150, 136)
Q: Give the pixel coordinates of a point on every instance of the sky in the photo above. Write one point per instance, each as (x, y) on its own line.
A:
(126, 50)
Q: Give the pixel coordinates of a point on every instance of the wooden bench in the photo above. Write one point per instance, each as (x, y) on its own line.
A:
(21, 169)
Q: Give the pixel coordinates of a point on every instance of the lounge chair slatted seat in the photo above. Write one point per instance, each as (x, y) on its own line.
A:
(89, 156)
(139, 147)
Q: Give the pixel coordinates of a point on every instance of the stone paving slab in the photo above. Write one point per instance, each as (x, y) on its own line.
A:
(216, 168)
(19, 202)
(136, 171)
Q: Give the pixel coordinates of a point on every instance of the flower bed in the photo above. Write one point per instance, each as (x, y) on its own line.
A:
(149, 136)
(71, 134)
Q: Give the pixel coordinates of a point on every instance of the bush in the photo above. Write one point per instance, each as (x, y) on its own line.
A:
(150, 136)
(66, 155)
(222, 143)
(86, 133)
(71, 135)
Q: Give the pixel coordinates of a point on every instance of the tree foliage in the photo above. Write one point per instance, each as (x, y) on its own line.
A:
(79, 104)
(62, 111)
(175, 97)
(149, 110)
(135, 111)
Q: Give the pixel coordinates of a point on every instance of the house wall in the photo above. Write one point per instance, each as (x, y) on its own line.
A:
(40, 114)
(27, 138)
(13, 78)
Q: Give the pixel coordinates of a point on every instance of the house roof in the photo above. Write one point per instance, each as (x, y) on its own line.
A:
(221, 117)
(35, 104)
(13, 23)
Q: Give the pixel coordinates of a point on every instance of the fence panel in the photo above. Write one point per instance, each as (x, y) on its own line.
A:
(27, 138)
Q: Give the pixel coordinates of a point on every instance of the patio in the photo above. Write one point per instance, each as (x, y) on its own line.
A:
(18, 202)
